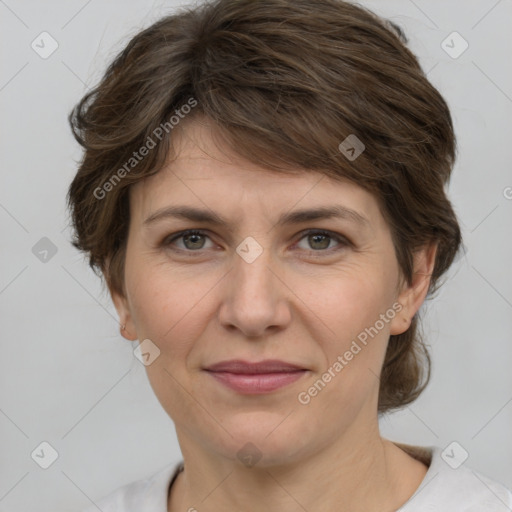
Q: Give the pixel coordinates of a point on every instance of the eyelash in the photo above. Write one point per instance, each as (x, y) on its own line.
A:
(342, 241)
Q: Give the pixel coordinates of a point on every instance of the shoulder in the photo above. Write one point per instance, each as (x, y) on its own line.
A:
(451, 484)
(149, 493)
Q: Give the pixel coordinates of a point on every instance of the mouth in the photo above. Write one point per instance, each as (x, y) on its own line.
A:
(255, 378)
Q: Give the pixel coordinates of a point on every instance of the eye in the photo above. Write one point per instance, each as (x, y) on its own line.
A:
(192, 239)
(320, 241)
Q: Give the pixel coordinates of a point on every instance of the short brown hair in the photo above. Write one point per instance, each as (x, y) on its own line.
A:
(285, 82)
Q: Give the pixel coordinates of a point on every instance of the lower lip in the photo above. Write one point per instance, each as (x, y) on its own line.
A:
(256, 384)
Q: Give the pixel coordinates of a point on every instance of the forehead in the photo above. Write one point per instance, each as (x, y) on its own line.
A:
(206, 172)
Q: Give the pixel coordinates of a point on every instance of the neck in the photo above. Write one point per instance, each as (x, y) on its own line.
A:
(357, 472)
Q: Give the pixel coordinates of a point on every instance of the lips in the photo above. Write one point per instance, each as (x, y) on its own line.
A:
(267, 366)
(255, 378)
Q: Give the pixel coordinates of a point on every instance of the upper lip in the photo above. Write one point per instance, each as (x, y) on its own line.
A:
(261, 367)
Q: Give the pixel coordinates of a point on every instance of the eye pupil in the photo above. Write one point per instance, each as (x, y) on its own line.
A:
(323, 243)
(195, 245)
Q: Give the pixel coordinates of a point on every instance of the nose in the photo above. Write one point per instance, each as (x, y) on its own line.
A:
(255, 298)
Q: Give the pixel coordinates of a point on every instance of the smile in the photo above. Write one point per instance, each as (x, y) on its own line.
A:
(255, 378)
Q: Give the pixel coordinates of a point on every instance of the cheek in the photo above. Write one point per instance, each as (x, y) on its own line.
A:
(355, 313)
(346, 303)
(171, 311)
(169, 307)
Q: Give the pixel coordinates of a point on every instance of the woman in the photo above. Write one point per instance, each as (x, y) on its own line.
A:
(262, 189)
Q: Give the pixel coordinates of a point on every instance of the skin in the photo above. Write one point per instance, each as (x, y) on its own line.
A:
(302, 300)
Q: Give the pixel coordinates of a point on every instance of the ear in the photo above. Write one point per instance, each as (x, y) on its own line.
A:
(412, 296)
(125, 316)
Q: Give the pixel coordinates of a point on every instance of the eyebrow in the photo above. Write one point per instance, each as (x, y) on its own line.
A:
(293, 217)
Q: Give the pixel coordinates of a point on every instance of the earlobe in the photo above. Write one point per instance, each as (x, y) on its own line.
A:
(413, 295)
(126, 326)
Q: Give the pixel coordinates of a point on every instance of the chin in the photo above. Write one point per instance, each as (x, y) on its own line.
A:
(262, 439)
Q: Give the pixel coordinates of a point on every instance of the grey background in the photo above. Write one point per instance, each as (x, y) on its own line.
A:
(67, 376)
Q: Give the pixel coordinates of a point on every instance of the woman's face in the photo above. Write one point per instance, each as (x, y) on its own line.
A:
(256, 287)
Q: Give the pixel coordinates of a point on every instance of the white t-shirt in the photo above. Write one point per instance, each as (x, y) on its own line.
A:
(444, 489)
